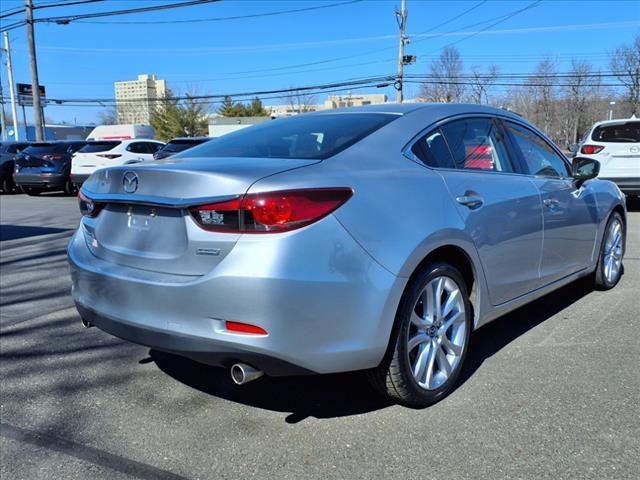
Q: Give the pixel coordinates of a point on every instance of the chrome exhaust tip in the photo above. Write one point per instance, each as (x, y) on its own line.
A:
(86, 323)
(242, 373)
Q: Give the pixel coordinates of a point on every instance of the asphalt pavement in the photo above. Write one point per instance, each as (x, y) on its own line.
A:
(550, 391)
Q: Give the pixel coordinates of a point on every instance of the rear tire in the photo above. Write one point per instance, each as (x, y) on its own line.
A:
(430, 338)
(70, 188)
(609, 268)
(8, 187)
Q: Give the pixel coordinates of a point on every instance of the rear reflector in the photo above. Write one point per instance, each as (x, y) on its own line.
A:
(591, 149)
(270, 212)
(238, 327)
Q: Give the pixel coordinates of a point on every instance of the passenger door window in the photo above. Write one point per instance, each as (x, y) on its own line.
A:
(477, 144)
(152, 147)
(137, 147)
(539, 158)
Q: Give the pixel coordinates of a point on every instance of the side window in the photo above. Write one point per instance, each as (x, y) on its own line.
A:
(477, 144)
(433, 151)
(136, 147)
(12, 149)
(538, 156)
(73, 148)
(153, 147)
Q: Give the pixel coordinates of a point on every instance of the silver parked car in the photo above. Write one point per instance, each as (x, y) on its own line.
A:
(374, 238)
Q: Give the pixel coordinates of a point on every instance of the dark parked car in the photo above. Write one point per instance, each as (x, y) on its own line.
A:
(178, 145)
(46, 166)
(8, 151)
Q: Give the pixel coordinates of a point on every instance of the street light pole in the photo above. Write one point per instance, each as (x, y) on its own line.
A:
(611, 105)
(35, 85)
(401, 16)
(12, 88)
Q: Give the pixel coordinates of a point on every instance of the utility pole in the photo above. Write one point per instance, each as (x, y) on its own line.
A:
(3, 122)
(12, 88)
(35, 85)
(401, 18)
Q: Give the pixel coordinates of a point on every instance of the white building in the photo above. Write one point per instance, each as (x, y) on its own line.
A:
(137, 99)
(342, 101)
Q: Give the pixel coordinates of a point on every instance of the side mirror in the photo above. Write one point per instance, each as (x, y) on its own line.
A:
(574, 147)
(583, 169)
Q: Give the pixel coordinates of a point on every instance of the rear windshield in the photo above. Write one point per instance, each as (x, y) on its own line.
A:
(304, 136)
(628, 132)
(175, 146)
(44, 148)
(93, 147)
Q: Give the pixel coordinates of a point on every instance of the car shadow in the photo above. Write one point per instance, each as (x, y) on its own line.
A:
(14, 232)
(339, 395)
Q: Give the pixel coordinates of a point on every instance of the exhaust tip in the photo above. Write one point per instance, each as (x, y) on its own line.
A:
(86, 323)
(242, 373)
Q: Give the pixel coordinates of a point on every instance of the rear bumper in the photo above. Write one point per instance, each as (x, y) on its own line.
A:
(326, 305)
(79, 178)
(40, 180)
(628, 185)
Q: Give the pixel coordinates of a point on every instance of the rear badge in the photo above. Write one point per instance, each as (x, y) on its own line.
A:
(130, 182)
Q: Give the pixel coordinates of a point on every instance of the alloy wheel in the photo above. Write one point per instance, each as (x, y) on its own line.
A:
(437, 333)
(613, 251)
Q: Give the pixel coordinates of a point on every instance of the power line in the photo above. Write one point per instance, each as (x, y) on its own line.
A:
(221, 19)
(67, 3)
(71, 18)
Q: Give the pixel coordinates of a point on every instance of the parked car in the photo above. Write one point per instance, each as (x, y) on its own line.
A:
(358, 239)
(121, 132)
(178, 145)
(46, 166)
(108, 153)
(8, 151)
(616, 145)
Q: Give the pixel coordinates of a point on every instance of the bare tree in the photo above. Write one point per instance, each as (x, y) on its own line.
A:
(481, 83)
(301, 102)
(444, 84)
(582, 88)
(541, 88)
(108, 116)
(625, 63)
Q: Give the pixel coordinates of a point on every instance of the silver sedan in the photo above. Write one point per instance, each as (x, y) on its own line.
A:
(374, 238)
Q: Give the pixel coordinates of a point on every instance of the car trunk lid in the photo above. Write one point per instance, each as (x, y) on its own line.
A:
(145, 222)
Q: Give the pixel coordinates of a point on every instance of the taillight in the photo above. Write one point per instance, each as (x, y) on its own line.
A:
(238, 327)
(591, 149)
(110, 156)
(52, 157)
(88, 207)
(270, 212)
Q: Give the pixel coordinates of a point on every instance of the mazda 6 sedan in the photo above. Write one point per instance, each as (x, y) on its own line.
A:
(375, 238)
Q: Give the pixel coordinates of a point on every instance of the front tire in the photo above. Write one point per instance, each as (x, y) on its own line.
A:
(430, 338)
(609, 268)
(70, 188)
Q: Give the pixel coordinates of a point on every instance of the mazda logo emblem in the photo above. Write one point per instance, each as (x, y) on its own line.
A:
(130, 182)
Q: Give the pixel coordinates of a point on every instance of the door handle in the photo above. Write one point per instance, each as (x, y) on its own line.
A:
(471, 201)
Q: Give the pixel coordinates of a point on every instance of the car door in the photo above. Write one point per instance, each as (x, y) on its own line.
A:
(570, 213)
(500, 208)
(139, 152)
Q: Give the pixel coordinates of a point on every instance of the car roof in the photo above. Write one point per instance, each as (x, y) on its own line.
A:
(444, 109)
(616, 121)
(188, 138)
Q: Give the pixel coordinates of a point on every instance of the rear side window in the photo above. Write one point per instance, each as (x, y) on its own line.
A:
(152, 147)
(538, 156)
(305, 136)
(137, 147)
(176, 146)
(628, 132)
(432, 150)
(94, 147)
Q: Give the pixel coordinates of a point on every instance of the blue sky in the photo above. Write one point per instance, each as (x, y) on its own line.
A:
(82, 60)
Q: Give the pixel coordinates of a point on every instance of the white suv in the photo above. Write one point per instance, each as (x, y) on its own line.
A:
(616, 145)
(108, 153)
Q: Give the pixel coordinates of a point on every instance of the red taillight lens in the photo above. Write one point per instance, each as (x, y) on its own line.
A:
(238, 327)
(88, 207)
(110, 156)
(52, 157)
(272, 211)
(591, 149)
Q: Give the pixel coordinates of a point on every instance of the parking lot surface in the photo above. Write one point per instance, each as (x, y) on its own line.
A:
(550, 391)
